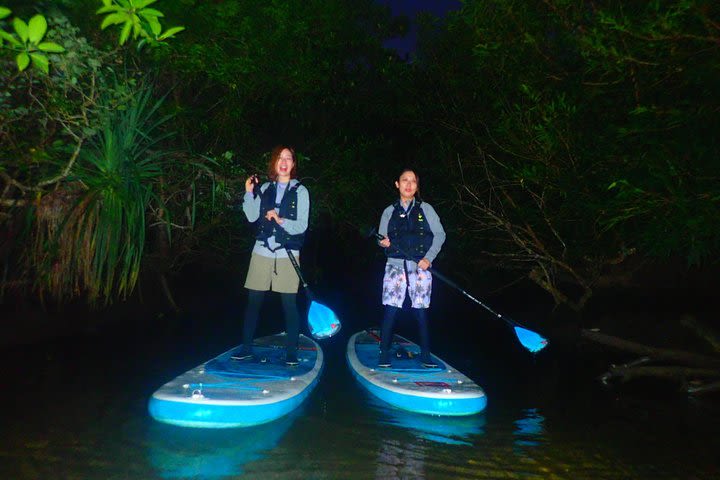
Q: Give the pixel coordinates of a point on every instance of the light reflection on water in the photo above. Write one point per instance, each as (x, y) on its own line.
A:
(80, 419)
(529, 428)
(406, 459)
(444, 430)
(419, 440)
(211, 454)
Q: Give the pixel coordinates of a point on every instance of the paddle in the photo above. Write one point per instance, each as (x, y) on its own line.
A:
(529, 339)
(322, 321)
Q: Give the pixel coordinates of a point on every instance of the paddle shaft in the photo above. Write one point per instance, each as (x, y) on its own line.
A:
(459, 288)
(296, 266)
(323, 316)
(322, 321)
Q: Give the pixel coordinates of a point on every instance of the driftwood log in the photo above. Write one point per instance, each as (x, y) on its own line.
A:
(696, 373)
(701, 330)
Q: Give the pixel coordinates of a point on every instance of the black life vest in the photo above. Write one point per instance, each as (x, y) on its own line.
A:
(409, 231)
(286, 209)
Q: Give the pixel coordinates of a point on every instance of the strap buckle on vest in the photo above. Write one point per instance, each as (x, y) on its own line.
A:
(270, 229)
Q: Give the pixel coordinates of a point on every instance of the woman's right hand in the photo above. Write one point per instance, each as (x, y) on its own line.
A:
(250, 183)
(385, 242)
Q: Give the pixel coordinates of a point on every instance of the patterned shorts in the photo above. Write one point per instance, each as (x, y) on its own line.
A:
(395, 285)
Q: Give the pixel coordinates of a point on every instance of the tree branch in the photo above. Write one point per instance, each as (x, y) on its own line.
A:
(653, 352)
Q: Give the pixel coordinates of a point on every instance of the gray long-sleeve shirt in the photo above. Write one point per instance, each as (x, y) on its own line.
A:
(433, 221)
(251, 208)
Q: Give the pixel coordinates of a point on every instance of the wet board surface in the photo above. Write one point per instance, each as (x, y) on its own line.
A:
(223, 392)
(407, 384)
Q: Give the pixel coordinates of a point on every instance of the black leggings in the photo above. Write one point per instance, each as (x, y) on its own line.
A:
(387, 328)
(292, 318)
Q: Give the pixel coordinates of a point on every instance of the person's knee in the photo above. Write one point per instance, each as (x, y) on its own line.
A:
(289, 299)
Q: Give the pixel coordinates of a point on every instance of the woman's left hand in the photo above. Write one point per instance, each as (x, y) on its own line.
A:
(424, 264)
(272, 214)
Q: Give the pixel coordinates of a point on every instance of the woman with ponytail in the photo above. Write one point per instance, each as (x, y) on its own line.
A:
(413, 236)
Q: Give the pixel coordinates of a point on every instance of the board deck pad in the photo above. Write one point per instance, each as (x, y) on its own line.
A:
(268, 361)
(441, 390)
(404, 355)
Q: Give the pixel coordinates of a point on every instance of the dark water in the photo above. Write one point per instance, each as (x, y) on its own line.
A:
(75, 408)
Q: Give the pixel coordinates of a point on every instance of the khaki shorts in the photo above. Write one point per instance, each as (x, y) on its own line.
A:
(261, 274)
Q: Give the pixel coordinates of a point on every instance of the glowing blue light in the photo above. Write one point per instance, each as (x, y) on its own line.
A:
(530, 340)
(457, 430)
(322, 321)
(210, 454)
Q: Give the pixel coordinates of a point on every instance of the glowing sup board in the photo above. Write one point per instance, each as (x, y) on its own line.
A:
(407, 384)
(224, 393)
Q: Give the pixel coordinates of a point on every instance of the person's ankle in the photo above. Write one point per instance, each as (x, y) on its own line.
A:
(426, 360)
(243, 353)
(291, 359)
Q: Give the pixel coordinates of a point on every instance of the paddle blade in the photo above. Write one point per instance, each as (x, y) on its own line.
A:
(530, 340)
(322, 321)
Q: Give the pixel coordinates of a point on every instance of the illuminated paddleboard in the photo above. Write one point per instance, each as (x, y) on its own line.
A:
(407, 384)
(223, 392)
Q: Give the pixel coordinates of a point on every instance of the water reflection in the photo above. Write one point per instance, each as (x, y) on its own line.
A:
(447, 430)
(211, 454)
(529, 429)
(400, 458)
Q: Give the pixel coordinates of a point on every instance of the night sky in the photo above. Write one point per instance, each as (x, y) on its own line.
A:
(410, 8)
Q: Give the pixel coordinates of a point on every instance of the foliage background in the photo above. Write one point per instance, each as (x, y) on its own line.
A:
(571, 144)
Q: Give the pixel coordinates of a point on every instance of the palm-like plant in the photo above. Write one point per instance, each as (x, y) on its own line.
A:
(99, 246)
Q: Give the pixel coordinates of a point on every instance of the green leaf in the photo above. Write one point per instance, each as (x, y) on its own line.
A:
(23, 60)
(151, 12)
(37, 28)
(41, 62)
(108, 9)
(170, 32)
(21, 29)
(10, 38)
(51, 47)
(154, 26)
(113, 19)
(4, 12)
(150, 20)
(143, 3)
(137, 28)
(125, 32)
(107, 3)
